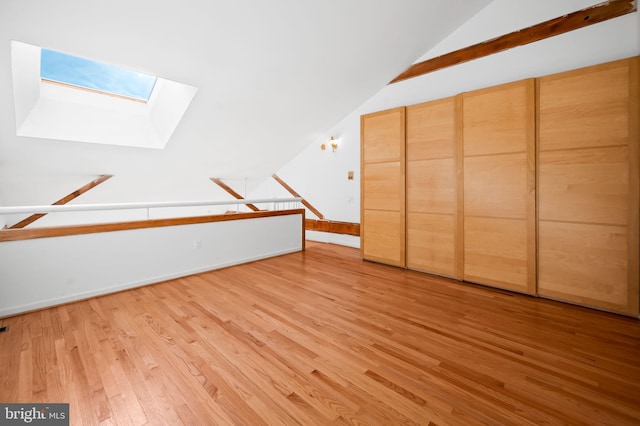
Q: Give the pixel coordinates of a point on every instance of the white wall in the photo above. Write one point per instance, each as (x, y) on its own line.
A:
(318, 184)
(321, 176)
(3, 221)
(49, 271)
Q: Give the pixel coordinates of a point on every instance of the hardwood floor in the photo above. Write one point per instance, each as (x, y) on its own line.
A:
(320, 338)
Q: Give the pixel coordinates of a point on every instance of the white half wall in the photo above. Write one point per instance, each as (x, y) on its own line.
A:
(45, 272)
(340, 239)
(321, 176)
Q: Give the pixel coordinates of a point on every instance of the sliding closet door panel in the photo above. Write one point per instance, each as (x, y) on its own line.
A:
(383, 132)
(495, 252)
(430, 130)
(431, 242)
(383, 228)
(381, 183)
(499, 186)
(496, 119)
(586, 262)
(594, 114)
(382, 231)
(432, 225)
(588, 186)
(495, 186)
(430, 186)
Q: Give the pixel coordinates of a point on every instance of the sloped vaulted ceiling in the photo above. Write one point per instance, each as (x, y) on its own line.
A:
(271, 75)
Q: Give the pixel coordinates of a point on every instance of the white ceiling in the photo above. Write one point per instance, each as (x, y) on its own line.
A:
(271, 75)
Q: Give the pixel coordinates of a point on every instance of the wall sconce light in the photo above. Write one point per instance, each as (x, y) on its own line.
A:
(333, 143)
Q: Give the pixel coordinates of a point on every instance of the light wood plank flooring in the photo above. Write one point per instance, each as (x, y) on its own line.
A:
(321, 338)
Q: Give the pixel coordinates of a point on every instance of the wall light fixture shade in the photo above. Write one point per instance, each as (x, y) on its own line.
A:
(334, 143)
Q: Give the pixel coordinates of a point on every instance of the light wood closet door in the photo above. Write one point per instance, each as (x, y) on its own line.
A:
(499, 186)
(382, 231)
(432, 220)
(588, 186)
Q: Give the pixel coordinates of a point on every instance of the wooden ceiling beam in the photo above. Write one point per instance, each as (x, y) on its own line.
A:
(295, 194)
(563, 24)
(64, 200)
(233, 193)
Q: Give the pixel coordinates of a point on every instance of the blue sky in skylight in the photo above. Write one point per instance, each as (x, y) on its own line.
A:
(82, 72)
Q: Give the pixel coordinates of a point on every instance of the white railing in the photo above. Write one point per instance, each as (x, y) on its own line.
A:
(276, 203)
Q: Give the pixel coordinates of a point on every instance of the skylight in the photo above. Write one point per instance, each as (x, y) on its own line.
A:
(65, 107)
(80, 72)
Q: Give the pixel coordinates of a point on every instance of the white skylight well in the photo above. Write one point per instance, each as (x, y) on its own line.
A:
(59, 96)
